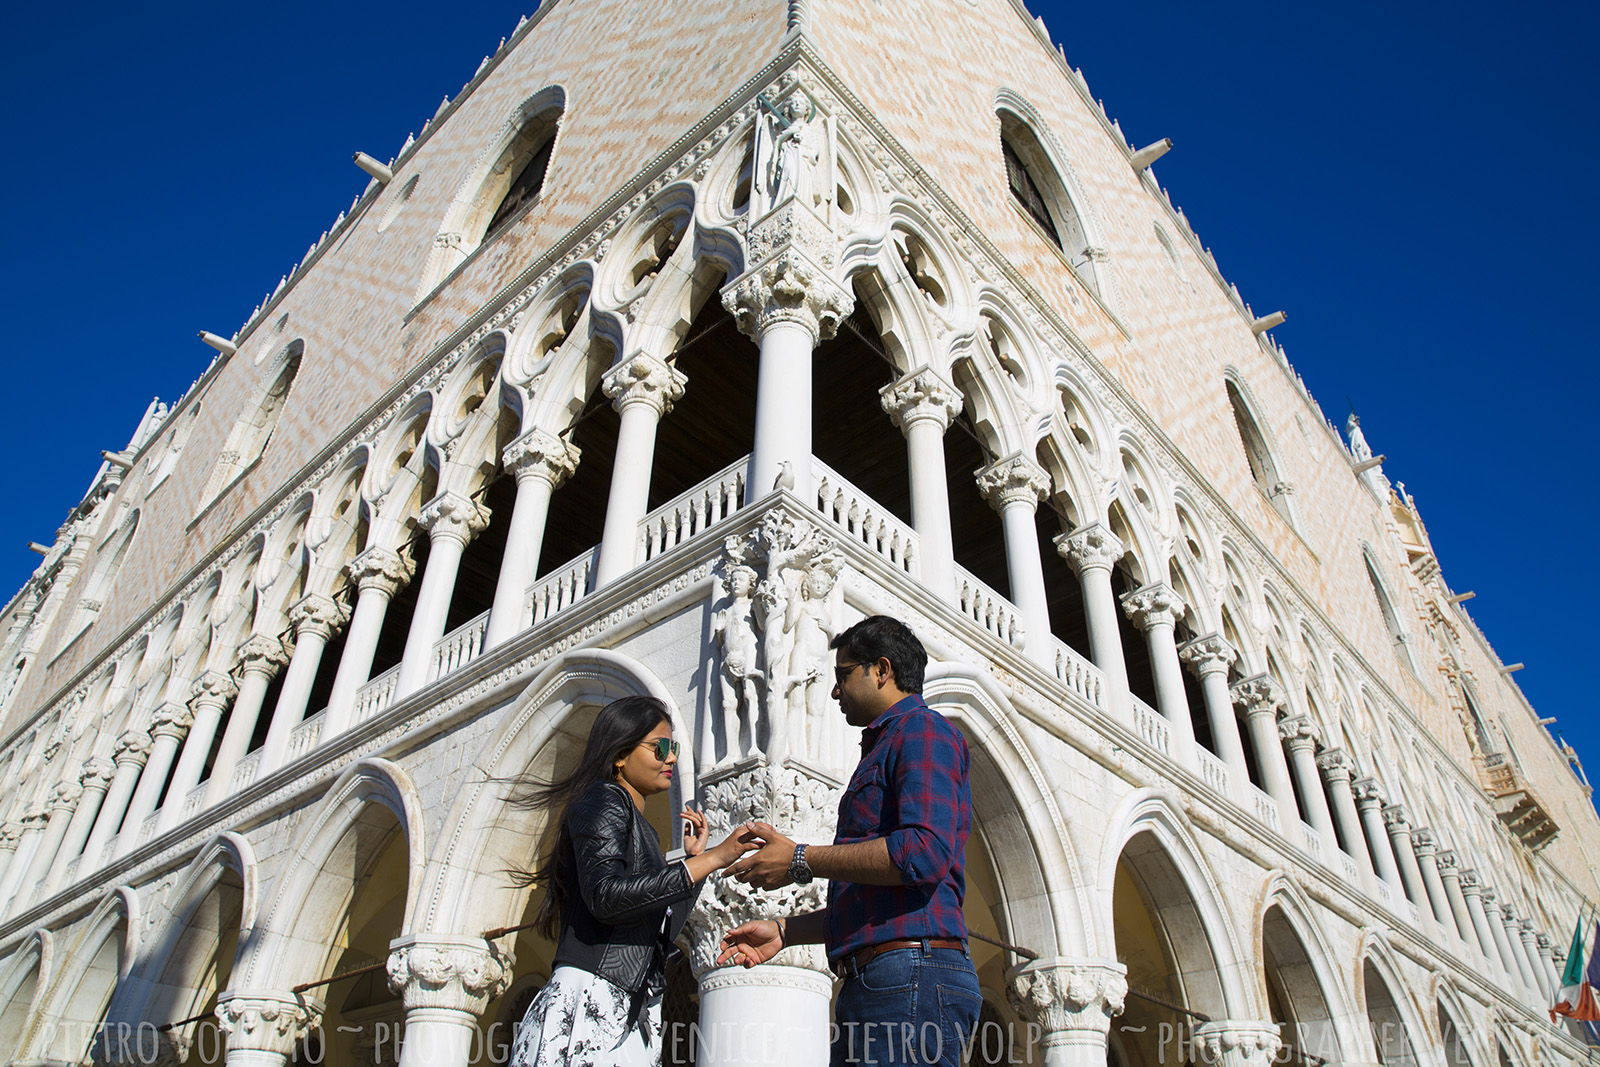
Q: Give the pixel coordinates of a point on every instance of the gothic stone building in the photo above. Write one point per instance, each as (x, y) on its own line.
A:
(585, 398)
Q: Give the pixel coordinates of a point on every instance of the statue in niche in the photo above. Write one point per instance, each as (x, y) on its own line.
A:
(811, 628)
(733, 629)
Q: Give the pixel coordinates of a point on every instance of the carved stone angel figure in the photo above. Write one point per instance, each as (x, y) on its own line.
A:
(798, 152)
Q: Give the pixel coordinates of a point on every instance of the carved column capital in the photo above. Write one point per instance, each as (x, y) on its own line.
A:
(1489, 894)
(1424, 842)
(1210, 654)
(213, 689)
(1156, 604)
(1300, 732)
(1258, 695)
(1544, 943)
(644, 379)
(793, 254)
(382, 569)
(447, 971)
(453, 517)
(171, 720)
(97, 773)
(1091, 547)
(1334, 763)
(317, 615)
(64, 795)
(1397, 819)
(921, 396)
(34, 816)
(1508, 912)
(1448, 861)
(1368, 792)
(541, 454)
(1238, 1042)
(1064, 994)
(264, 1021)
(260, 654)
(1016, 479)
(1469, 881)
(9, 833)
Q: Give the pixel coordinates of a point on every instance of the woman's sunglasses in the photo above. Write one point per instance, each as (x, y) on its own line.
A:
(665, 747)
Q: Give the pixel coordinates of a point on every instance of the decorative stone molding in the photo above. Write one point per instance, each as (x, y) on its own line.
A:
(132, 747)
(644, 379)
(921, 395)
(1369, 793)
(1489, 894)
(1208, 655)
(1300, 732)
(793, 255)
(213, 689)
(1542, 940)
(447, 971)
(260, 654)
(1397, 819)
(1066, 994)
(1469, 880)
(1448, 861)
(1238, 1042)
(9, 833)
(170, 720)
(1335, 765)
(453, 517)
(266, 1021)
(381, 569)
(65, 795)
(97, 773)
(34, 817)
(1259, 694)
(1092, 547)
(1016, 479)
(317, 615)
(1153, 605)
(1424, 842)
(541, 454)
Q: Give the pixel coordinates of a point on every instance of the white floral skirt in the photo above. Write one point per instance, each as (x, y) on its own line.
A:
(581, 1020)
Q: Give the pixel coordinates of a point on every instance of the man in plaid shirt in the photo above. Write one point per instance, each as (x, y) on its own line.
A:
(896, 869)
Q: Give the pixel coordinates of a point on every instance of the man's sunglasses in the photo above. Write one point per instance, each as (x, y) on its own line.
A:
(665, 747)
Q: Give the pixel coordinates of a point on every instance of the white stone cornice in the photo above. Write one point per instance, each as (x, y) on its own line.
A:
(382, 569)
(541, 454)
(453, 517)
(644, 379)
(922, 395)
(1014, 480)
(1091, 547)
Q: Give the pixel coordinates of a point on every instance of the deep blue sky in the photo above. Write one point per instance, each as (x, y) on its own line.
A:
(1410, 181)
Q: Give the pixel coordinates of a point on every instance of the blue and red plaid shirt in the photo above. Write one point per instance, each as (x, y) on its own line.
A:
(911, 788)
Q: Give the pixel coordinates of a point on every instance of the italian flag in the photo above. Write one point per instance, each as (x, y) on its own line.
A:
(1576, 1000)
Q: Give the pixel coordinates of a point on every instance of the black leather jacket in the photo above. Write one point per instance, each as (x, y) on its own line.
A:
(617, 889)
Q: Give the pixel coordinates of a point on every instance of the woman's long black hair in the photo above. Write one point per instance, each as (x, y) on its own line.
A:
(616, 732)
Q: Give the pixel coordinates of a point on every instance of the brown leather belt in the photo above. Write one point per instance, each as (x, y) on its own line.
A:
(845, 966)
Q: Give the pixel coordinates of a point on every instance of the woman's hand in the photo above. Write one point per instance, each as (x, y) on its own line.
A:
(696, 831)
(751, 943)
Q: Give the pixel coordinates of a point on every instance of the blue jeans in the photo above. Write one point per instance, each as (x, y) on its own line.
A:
(907, 1006)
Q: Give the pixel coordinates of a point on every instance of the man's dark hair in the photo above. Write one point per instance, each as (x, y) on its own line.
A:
(880, 637)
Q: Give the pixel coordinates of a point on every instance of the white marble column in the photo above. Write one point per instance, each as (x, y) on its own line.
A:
(1210, 657)
(1397, 822)
(133, 749)
(378, 573)
(1091, 551)
(1426, 846)
(451, 521)
(1551, 972)
(1450, 875)
(314, 619)
(1069, 1002)
(1370, 799)
(64, 797)
(1261, 699)
(1530, 949)
(643, 390)
(444, 981)
(1473, 892)
(786, 302)
(923, 405)
(1014, 486)
(32, 825)
(1156, 609)
(1491, 910)
(10, 834)
(260, 659)
(263, 1027)
(1238, 1043)
(541, 462)
(210, 696)
(168, 727)
(94, 781)
(1335, 767)
(1519, 952)
(1300, 735)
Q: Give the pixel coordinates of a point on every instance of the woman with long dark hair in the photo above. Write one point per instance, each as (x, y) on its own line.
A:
(613, 899)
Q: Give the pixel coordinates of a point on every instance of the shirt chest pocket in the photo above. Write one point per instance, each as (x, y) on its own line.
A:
(861, 808)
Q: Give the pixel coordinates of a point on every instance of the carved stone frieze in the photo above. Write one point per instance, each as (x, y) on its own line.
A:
(1062, 994)
(441, 971)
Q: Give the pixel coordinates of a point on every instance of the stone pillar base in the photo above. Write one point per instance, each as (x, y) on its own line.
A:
(764, 1015)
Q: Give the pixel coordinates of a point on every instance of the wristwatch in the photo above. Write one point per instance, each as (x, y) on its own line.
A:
(799, 869)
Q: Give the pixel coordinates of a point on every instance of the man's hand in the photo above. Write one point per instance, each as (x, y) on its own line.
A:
(768, 866)
(751, 943)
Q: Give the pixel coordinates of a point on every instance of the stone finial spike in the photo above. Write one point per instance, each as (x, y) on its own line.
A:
(442, 105)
